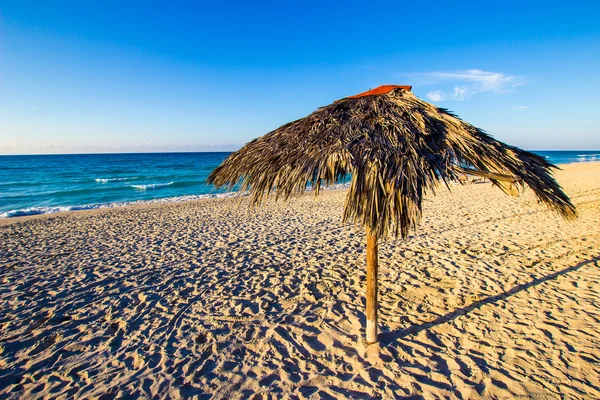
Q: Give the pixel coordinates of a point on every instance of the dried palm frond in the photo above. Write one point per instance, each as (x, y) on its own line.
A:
(396, 147)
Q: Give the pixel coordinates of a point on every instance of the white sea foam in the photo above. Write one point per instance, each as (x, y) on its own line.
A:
(106, 180)
(151, 185)
(51, 210)
(178, 199)
(32, 211)
(588, 157)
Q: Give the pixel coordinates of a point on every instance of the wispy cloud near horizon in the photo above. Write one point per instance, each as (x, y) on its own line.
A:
(469, 82)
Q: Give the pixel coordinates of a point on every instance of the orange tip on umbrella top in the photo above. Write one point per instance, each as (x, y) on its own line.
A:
(380, 90)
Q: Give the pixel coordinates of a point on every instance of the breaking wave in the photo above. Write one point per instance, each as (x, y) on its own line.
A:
(106, 180)
(151, 185)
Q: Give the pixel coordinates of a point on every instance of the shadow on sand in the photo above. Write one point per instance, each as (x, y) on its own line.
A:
(387, 338)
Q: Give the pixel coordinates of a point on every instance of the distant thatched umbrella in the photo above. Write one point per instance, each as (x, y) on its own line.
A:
(396, 147)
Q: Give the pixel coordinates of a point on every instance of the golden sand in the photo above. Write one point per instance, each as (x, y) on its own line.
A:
(493, 297)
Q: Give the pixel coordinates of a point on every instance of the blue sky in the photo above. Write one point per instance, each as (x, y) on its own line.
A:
(179, 76)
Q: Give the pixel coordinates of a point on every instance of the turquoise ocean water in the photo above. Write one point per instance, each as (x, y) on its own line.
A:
(39, 184)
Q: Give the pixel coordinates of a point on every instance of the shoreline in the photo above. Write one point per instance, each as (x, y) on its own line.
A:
(7, 220)
(153, 202)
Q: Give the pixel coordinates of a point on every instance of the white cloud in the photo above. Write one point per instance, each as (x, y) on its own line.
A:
(520, 107)
(460, 93)
(469, 82)
(10, 145)
(435, 95)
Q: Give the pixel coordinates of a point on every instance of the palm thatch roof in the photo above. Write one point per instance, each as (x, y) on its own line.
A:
(396, 147)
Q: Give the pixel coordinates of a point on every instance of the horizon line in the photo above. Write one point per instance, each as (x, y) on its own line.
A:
(201, 151)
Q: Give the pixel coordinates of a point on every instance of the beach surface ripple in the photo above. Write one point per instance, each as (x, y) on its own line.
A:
(492, 297)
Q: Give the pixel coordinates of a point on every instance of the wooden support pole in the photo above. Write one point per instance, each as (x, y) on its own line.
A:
(372, 267)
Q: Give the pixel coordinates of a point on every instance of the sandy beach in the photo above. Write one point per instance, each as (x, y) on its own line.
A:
(492, 297)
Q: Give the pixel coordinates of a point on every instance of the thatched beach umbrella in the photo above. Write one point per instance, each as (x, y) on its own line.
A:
(396, 147)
